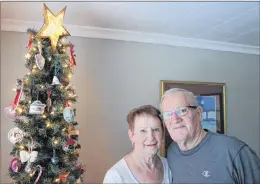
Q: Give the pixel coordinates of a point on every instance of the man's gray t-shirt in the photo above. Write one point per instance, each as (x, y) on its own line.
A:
(216, 159)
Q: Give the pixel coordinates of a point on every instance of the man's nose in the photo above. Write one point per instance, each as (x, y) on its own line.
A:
(175, 117)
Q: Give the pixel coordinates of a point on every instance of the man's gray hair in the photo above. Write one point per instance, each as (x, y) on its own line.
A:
(191, 98)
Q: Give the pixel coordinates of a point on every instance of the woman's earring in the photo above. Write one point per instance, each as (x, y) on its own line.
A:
(133, 144)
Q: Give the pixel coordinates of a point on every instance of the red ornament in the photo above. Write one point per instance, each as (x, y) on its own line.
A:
(30, 41)
(15, 165)
(70, 141)
(72, 56)
(29, 44)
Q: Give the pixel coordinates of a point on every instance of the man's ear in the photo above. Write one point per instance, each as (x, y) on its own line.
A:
(200, 111)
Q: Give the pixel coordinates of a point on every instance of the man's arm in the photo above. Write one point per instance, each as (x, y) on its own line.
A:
(246, 166)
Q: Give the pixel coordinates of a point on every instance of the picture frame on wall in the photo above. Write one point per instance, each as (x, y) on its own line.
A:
(211, 96)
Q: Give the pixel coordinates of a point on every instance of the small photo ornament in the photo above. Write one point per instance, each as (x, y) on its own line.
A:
(37, 107)
(15, 135)
(68, 114)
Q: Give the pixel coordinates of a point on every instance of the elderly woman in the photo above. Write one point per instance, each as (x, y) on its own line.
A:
(142, 164)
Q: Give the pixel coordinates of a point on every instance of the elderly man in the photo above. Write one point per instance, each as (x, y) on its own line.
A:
(199, 155)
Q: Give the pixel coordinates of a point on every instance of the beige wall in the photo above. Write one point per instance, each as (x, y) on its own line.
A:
(112, 77)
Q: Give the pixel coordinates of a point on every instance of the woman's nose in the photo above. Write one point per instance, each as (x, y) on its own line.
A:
(150, 135)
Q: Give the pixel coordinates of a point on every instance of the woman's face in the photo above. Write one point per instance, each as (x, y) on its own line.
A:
(147, 134)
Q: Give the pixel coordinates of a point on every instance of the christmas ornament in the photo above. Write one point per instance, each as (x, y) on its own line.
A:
(15, 135)
(48, 102)
(77, 148)
(69, 146)
(68, 113)
(15, 165)
(39, 59)
(70, 141)
(30, 41)
(37, 107)
(39, 175)
(55, 81)
(72, 55)
(73, 132)
(53, 28)
(28, 168)
(72, 61)
(28, 156)
(64, 176)
(82, 170)
(54, 159)
(66, 147)
(10, 111)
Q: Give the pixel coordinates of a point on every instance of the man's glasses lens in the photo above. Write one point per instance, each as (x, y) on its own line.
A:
(180, 111)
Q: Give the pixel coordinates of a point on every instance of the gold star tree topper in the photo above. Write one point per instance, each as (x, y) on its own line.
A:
(53, 27)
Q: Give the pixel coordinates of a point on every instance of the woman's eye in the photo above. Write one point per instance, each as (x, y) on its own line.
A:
(156, 130)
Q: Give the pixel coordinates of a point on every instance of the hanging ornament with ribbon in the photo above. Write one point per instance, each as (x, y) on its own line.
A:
(48, 102)
(29, 157)
(54, 159)
(72, 55)
(68, 113)
(10, 111)
(39, 59)
(37, 107)
(55, 80)
(30, 41)
(72, 60)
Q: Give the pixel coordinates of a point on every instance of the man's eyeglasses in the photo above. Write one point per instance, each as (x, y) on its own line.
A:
(179, 111)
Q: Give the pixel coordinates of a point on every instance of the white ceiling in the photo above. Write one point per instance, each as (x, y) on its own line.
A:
(234, 26)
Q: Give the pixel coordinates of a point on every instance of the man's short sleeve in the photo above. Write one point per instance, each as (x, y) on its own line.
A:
(246, 166)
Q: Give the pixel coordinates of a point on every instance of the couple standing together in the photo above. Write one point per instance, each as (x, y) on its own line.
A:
(197, 155)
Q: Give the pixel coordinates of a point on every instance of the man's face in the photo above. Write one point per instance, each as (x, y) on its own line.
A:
(181, 128)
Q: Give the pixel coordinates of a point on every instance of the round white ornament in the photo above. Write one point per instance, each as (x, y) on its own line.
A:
(68, 114)
(15, 135)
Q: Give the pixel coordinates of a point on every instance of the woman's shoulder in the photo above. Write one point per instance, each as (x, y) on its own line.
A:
(167, 170)
(164, 162)
(113, 174)
(119, 165)
(163, 159)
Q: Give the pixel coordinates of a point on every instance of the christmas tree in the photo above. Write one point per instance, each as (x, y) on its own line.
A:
(46, 146)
